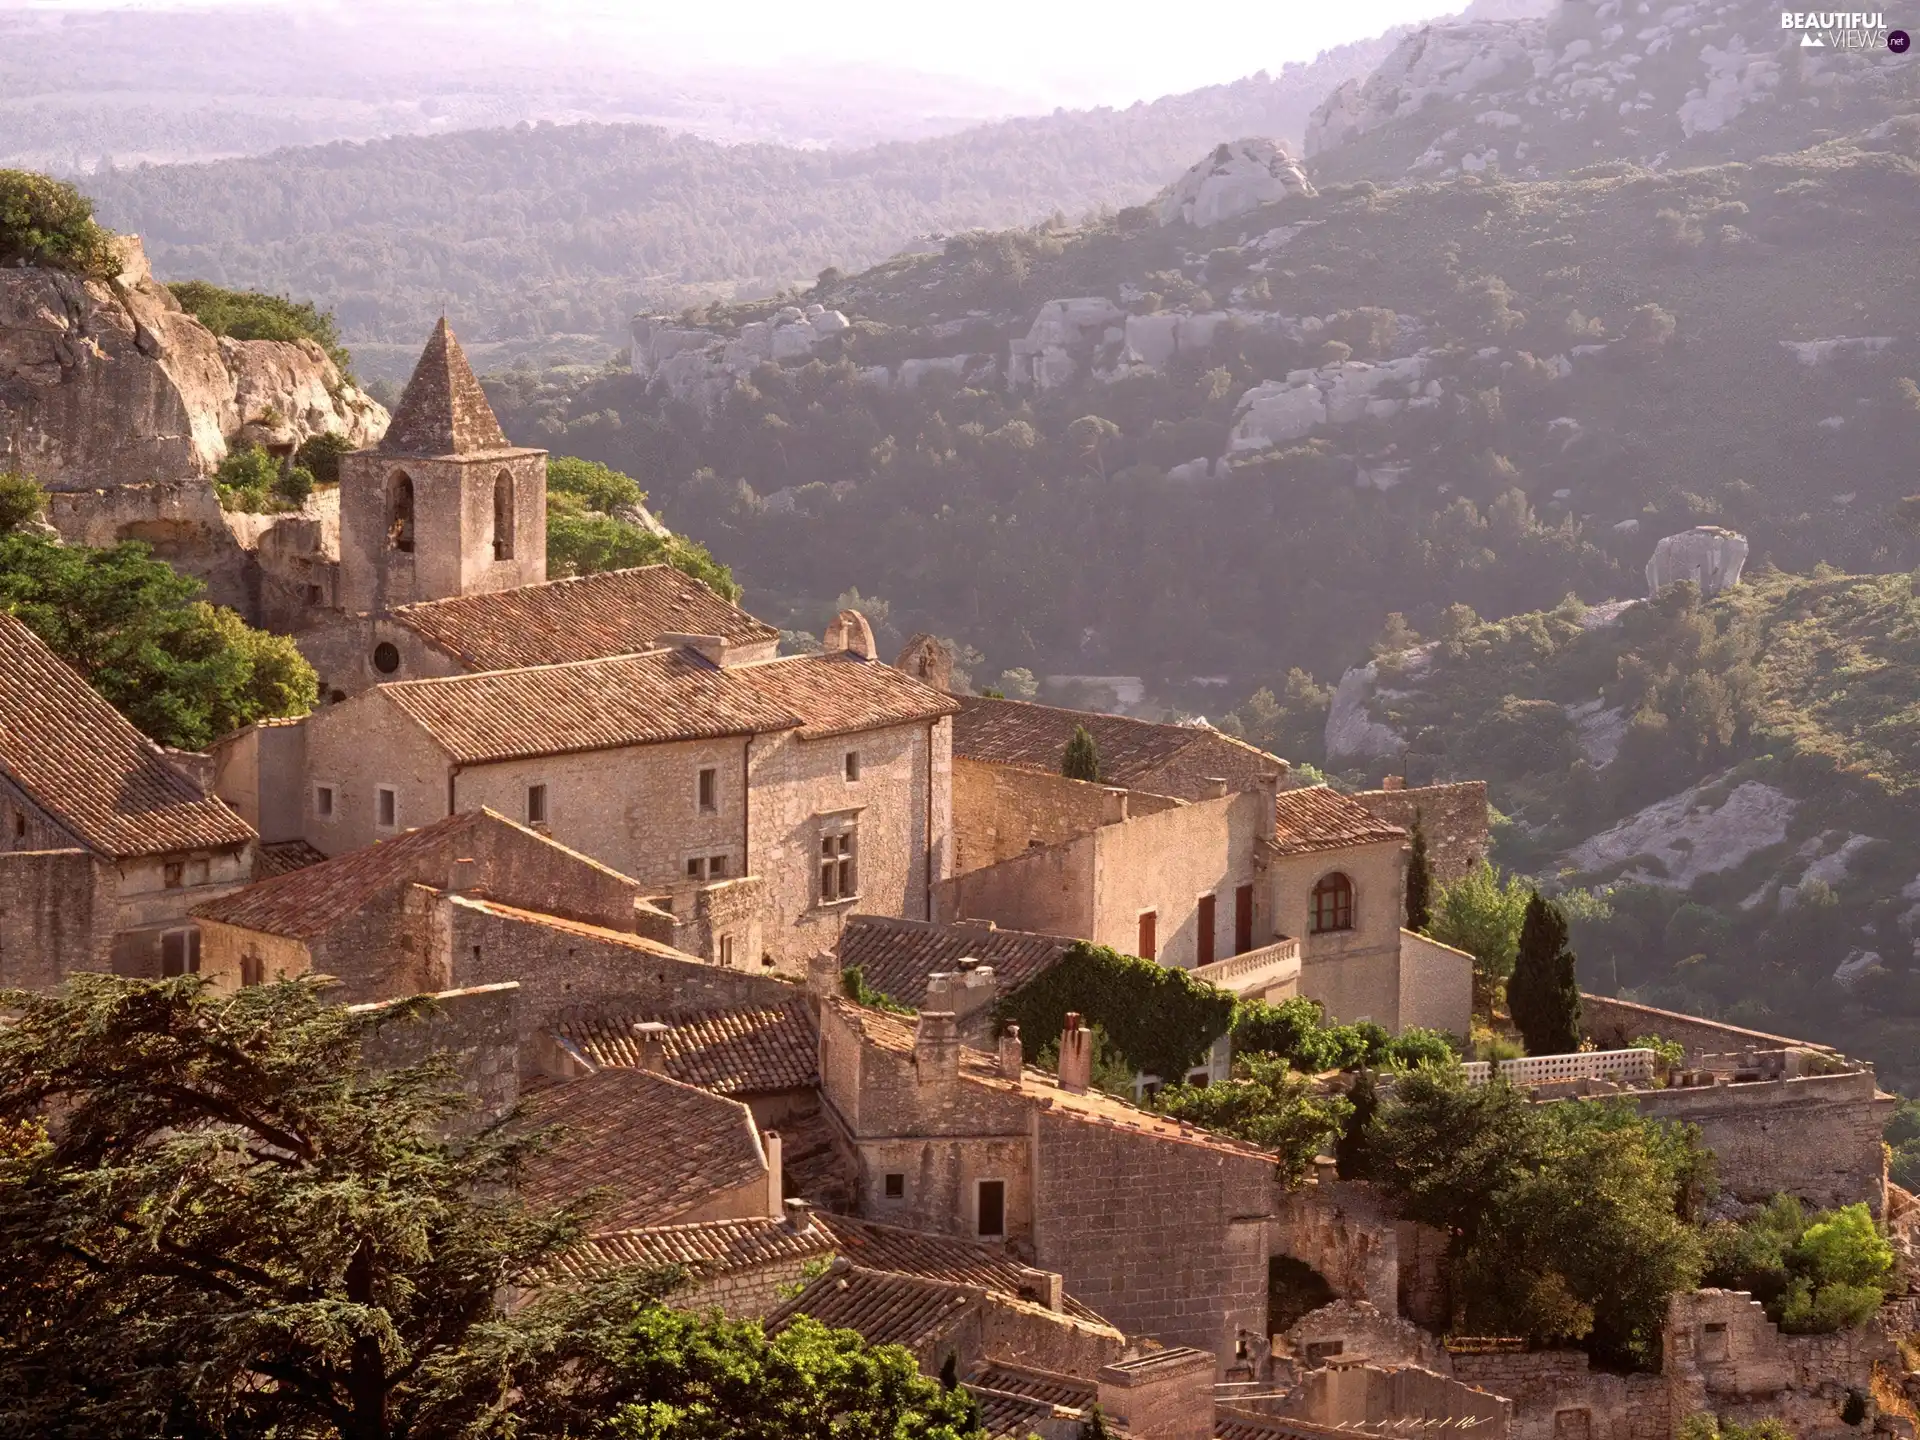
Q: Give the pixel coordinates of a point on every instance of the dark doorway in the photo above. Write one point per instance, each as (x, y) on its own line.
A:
(1293, 1288)
(993, 1209)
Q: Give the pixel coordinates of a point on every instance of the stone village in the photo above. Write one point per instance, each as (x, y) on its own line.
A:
(635, 852)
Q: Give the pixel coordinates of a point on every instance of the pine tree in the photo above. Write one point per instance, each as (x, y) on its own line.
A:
(1082, 758)
(1543, 995)
(1419, 880)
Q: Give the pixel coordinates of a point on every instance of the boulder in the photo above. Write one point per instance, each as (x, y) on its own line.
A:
(1708, 555)
(1239, 176)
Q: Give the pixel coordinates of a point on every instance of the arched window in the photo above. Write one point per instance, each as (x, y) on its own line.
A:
(503, 516)
(1332, 904)
(400, 513)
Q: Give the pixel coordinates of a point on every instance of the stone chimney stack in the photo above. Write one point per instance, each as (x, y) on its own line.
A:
(1269, 785)
(1165, 1395)
(1113, 806)
(776, 1176)
(650, 1038)
(969, 992)
(936, 1047)
(1012, 1057)
(1076, 1055)
(799, 1216)
(711, 648)
(1393, 782)
(1217, 787)
(823, 974)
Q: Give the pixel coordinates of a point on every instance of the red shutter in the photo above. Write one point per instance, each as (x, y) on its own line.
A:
(1203, 953)
(1147, 924)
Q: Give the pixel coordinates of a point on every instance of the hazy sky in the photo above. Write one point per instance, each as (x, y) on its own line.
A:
(1067, 51)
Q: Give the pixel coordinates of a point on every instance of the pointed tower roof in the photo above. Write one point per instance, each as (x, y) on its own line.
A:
(444, 411)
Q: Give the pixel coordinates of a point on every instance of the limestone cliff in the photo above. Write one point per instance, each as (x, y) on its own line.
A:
(107, 383)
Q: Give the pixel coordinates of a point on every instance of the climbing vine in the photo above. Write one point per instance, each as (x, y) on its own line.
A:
(1163, 1020)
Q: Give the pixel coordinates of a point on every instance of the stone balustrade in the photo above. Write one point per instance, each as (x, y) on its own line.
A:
(1254, 973)
(1630, 1067)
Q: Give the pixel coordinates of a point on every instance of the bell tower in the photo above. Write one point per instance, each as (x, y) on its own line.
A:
(443, 505)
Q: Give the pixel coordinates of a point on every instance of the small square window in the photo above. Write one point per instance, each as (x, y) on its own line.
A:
(323, 802)
(386, 808)
(726, 952)
(853, 765)
(536, 804)
(896, 1187)
(20, 825)
(716, 867)
(697, 868)
(173, 874)
(709, 791)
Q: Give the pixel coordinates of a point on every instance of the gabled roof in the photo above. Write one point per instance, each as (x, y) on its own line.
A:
(1320, 818)
(842, 693)
(884, 1309)
(84, 763)
(896, 956)
(705, 1247)
(1034, 737)
(731, 1050)
(944, 1258)
(443, 410)
(658, 1147)
(588, 705)
(588, 617)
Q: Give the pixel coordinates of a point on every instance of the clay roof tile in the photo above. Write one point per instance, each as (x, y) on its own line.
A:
(1321, 818)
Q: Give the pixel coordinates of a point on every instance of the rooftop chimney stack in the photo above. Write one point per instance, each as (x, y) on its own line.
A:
(1012, 1057)
(776, 1176)
(799, 1216)
(936, 1047)
(969, 992)
(1076, 1055)
(1217, 786)
(823, 975)
(650, 1038)
(1113, 806)
(711, 648)
(1165, 1395)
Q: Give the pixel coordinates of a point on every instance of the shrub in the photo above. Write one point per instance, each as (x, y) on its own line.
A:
(600, 487)
(1814, 1275)
(1163, 1020)
(21, 498)
(47, 222)
(1269, 1105)
(1482, 914)
(1295, 1031)
(248, 480)
(853, 985)
(320, 456)
(253, 315)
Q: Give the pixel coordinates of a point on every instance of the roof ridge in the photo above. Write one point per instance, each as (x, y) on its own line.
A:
(422, 682)
(600, 575)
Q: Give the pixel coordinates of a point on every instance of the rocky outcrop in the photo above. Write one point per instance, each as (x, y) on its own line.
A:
(1237, 177)
(1700, 831)
(1280, 411)
(701, 365)
(1708, 555)
(106, 383)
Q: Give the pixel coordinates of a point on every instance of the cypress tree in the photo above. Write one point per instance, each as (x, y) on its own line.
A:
(1350, 1151)
(1419, 880)
(1082, 758)
(1544, 995)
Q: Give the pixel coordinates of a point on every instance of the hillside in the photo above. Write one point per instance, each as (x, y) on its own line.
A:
(537, 231)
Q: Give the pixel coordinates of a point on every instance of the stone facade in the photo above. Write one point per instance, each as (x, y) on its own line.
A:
(999, 812)
(1436, 986)
(1355, 972)
(1454, 817)
(57, 915)
(477, 1028)
(1349, 1396)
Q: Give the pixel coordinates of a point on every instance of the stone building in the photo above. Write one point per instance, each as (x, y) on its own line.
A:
(1453, 817)
(104, 845)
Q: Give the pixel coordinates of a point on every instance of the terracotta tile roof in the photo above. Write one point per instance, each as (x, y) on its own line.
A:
(659, 1147)
(706, 1247)
(896, 956)
(1236, 1424)
(589, 617)
(443, 410)
(731, 1050)
(1041, 1385)
(1009, 1417)
(884, 1309)
(1034, 737)
(1320, 818)
(283, 857)
(587, 705)
(937, 1257)
(841, 694)
(83, 762)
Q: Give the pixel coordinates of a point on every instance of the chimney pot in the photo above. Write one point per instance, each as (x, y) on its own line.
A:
(823, 974)
(799, 1216)
(711, 648)
(1217, 786)
(1076, 1055)
(1012, 1057)
(651, 1038)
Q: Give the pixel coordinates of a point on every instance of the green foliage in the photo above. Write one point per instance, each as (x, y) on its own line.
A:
(853, 985)
(1567, 1222)
(1815, 1274)
(1668, 1053)
(319, 455)
(1081, 759)
(1095, 1427)
(587, 533)
(1903, 1144)
(1296, 1031)
(1162, 1019)
(598, 486)
(1267, 1104)
(251, 315)
(1483, 914)
(1543, 993)
(47, 222)
(1351, 1151)
(1292, 725)
(21, 498)
(1419, 882)
(182, 670)
(1703, 1426)
(251, 481)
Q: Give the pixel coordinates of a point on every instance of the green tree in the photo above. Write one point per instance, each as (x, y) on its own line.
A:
(180, 669)
(320, 456)
(1081, 759)
(47, 222)
(1482, 914)
(600, 487)
(1351, 1151)
(1544, 993)
(1268, 1104)
(236, 1229)
(582, 540)
(1419, 880)
(1158, 1016)
(1814, 1274)
(21, 498)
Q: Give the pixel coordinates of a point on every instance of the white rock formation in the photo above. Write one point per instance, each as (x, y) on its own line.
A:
(1819, 352)
(1062, 335)
(1691, 836)
(1600, 729)
(1352, 733)
(1441, 61)
(1708, 555)
(1239, 176)
(1280, 411)
(701, 365)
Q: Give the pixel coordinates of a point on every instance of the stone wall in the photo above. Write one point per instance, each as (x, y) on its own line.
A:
(261, 772)
(358, 746)
(1353, 1331)
(1340, 1229)
(56, 916)
(1436, 985)
(1454, 817)
(340, 648)
(1048, 890)
(1354, 973)
(1190, 774)
(1000, 811)
(228, 954)
(1371, 1396)
(1558, 1396)
(476, 1028)
(1613, 1024)
(748, 1293)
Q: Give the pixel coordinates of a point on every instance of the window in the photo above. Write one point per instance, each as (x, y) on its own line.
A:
(1713, 1342)
(716, 867)
(1319, 1350)
(895, 1187)
(386, 808)
(707, 867)
(1243, 920)
(726, 952)
(386, 657)
(1203, 940)
(323, 802)
(173, 874)
(180, 953)
(993, 1209)
(1332, 905)
(315, 595)
(697, 868)
(1149, 925)
(503, 517)
(400, 514)
(707, 792)
(536, 804)
(253, 969)
(853, 765)
(838, 874)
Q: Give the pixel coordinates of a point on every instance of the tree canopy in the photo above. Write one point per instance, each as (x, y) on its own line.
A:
(44, 221)
(592, 526)
(1267, 1103)
(1544, 993)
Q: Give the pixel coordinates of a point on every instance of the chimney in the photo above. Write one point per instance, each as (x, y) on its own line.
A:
(1042, 1287)
(1393, 782)
(1165, 1395)
(650, 1038)
(1113, 806)
(1269, 785)
(776, 1175)
(1216, 787)
(1012, 1057)
(711, 648)
(936, 1047)
(967, 992)
(799, 1216)
(823, 974)
(1076, 1055)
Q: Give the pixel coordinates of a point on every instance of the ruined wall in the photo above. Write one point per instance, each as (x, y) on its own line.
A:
(1347, 1395)
(1453, 816)
(1613, 1024)
(1558, 1396)
(476, 1027)
(1354, 1331)
(1340, 1229)
(1000, 811)
(1354, 973)
(1165, 1239)
(56, 916)
(1022, 1333)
